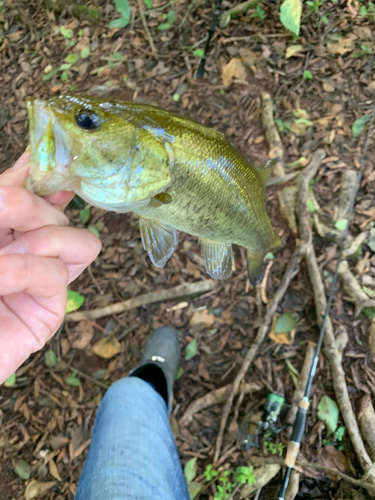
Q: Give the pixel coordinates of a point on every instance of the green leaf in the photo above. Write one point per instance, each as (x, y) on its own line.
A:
(22, 469)
(210, 473)
(85, 214)
(148, 3)
(66, 32)
(75, 301)
(191, 350)
(164, 26)
(171, 16)
(199, 52)
(65, 66)
(72, 58)
(179, 373)
(194, 489)
(80, 32)
(269, 256)
(370, 293)
(286, 323)
(293, 372)
(311, 206)
(50, 358)
(119, 23)
(85, 52)
(94, 230)
(369, 312)
(290, 15)
(49, 75)
(339, 434)
(307, 75)
(64, 76)
(363, 11)
(328, 413)
(10, 381)
(341, 224)
(190, 469)
(123, 7)
(359, 125)
(73, 380)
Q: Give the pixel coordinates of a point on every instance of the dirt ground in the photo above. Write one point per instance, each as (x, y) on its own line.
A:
(318, 91)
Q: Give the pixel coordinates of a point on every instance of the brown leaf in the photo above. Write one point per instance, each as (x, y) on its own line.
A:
(36, 489)
(341, 47)
(84, 332)
(107, 347)
(203, 318)
(248, 57)
(53, 470)
(330, 457)
(234, 70)
(281, 338)
(328, 87)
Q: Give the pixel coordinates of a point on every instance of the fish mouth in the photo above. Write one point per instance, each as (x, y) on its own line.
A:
(50, 151)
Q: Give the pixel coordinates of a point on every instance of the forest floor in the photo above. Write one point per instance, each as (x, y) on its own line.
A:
(319, 90)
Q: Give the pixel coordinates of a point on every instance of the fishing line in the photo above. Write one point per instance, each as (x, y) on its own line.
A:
(300, 421)
(215, 20)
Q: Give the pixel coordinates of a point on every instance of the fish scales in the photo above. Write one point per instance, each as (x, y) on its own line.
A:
(176, 174)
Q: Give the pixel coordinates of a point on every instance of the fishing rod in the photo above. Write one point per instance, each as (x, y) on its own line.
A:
(300, 421)
(215, 20)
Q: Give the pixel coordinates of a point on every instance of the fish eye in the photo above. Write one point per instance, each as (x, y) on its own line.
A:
(87, 120)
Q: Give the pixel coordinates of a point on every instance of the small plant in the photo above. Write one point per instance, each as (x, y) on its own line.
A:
(314, 5)
(169, 18)
(283, 126)
(259, 13)
(368, 11)
(229, 479)
(366, 50)
(337, 439)
(307, 75)
(275, 448)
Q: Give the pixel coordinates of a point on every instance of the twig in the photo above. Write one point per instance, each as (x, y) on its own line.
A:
(330, 347)
(144, 22)
(188, 10)
(272, 134)
(264, 282)
(91, 274)
(290, 272)
(352, 287)
(282, 180)
(212, 398)
(185, 289)
(84, 375)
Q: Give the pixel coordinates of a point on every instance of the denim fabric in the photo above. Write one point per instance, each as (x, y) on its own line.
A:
(133, 455)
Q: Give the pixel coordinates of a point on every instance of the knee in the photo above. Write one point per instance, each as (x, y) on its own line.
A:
(128, 388)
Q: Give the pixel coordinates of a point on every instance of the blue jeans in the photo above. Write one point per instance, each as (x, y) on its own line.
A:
(133, 454)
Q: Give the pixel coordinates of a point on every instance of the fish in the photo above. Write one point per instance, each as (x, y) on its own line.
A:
(176, 174)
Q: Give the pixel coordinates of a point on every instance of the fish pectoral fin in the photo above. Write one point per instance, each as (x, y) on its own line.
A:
(255, 267)
(218, 259)
(158, 240)
(266, 171)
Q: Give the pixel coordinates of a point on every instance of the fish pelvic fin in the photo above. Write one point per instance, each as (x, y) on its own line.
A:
(255, 260)
(158, 240)
(218, 259)
(266, 171)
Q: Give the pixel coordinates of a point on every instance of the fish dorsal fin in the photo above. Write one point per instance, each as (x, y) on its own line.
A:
(218, 259)
(266, 171)
(158, 240)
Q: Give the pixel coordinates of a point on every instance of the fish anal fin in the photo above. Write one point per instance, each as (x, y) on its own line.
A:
(218, 259)
(266, 171)
(255, 267)
(158, 240)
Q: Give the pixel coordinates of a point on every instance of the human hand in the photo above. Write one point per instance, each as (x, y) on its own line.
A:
(39, 256)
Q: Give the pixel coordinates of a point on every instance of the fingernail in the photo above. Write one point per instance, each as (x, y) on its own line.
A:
(12, 248)
(21, 162)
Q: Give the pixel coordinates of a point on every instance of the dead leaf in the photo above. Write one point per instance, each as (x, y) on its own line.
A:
(283, 337)
(53, 470)
(248, 57)
(341, 47)
(330, 457)
(36, 489)
(234, 70)
(292, 50)
(84, 333)
(363, 32)
(107, 347)
(328, 87)
(202, 318)
(371, 339)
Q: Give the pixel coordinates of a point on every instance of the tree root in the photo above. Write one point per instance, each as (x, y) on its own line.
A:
(352, 287)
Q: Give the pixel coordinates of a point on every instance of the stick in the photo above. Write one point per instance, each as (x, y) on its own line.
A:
(330, 347)
(290, 272)
(185, 289)
(212, 398)
(143, 17)
(272, 135)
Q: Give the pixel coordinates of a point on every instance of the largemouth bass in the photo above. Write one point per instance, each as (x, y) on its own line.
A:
(176, 174)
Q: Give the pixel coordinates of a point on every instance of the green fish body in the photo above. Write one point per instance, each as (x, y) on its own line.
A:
(176, 174)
